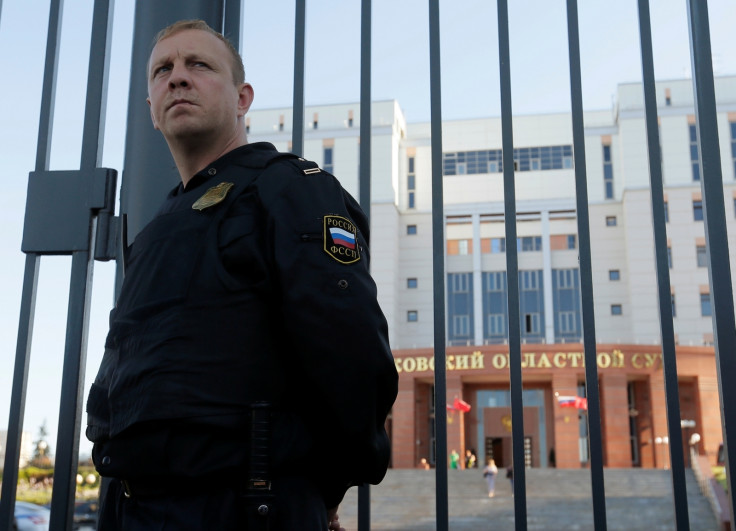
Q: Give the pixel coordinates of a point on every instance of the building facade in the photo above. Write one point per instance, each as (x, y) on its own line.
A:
(625, 287)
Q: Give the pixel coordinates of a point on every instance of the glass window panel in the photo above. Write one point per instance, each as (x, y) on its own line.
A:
(694, 152)
(412, 283)
(701, 257)
(607, 153)
(697, 210)
(705, 309)
(608, 172)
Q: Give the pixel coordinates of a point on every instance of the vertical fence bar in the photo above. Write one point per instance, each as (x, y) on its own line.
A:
(80, 288)
(669, 361)
(364, 184)
(438, 267)
(719, 266)
(595, 441)
(231, 26)
(18, 396)
(72, 387)
(30, 279)
(512, 271)
(99, 62)
(297, 132)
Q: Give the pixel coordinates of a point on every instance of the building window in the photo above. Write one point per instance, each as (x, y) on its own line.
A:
(463, 247)
(531, 323)
(571, 241)
(674, 308)
(412, 316)
(530, 243)
(607, 171)
(669, 257)
(566, 304)
(411, 182)
(697, 210)
(315, 121)
(411, 229)
(498, 245)
(611, 221)
(616, 309)
(460, 308)
(614, 274)
(666, 212)
(327, 164)
(490, 161)
(705, 309)
(694, 157)
(494, 307)
(700, 255)
(412, 283)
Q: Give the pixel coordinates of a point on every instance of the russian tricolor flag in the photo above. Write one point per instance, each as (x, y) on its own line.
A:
(573, 401)
(342, 237)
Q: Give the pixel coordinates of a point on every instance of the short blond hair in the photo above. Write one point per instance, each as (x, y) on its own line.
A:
(201, 25)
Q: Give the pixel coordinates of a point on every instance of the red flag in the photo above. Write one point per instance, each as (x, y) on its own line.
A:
(461, 405)
(577, 402)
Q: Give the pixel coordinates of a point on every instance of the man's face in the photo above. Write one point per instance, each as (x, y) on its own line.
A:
(191, 92)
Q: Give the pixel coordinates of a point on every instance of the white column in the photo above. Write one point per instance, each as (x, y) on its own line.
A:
(477, 283)
(549, 314)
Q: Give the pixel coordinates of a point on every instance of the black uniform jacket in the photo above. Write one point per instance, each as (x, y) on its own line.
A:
(252, 284)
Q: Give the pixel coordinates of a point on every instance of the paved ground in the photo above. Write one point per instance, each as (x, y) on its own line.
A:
(636, 499)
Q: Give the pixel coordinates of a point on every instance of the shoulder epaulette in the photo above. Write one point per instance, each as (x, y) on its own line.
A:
(307, 167)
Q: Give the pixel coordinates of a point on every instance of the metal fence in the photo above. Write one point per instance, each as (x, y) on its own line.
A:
(91, 232)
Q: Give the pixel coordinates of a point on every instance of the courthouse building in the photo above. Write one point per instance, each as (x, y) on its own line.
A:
(629, 353)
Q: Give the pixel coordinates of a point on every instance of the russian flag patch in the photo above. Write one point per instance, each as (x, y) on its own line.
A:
(341, 239)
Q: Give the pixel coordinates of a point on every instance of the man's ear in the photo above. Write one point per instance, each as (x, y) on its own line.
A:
(153, 120)
(245, 98)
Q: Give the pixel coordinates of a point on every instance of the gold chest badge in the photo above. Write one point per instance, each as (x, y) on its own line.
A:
(211, 197)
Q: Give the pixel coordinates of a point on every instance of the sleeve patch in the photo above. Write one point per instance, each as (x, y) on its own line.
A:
(341, 239)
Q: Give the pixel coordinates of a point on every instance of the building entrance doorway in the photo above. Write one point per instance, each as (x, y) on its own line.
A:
(499, 449)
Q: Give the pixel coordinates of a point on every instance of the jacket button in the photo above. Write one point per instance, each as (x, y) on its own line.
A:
(342, 284)
(211, 171)
(106, 460)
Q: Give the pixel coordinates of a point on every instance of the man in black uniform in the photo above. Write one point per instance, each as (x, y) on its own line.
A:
(247, 369)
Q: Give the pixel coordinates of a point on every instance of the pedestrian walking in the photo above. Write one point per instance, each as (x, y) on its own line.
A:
(489, 472)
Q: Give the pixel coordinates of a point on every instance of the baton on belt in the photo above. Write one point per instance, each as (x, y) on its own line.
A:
(258, 494)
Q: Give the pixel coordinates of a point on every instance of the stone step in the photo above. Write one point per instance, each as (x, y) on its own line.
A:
(556, 499)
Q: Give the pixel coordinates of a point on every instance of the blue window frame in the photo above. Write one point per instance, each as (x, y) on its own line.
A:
(697, 210)
(616, 309)
(412, 283)
(327, 164)
(490, 161)
(694, 156)
(705, 308)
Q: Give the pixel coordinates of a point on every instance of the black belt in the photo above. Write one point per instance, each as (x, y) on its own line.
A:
(167, 486)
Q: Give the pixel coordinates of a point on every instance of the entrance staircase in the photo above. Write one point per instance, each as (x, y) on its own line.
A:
(636, 499)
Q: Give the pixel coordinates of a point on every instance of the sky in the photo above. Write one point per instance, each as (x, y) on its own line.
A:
(609, 41)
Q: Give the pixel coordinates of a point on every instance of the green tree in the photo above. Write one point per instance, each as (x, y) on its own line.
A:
(41, 449)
